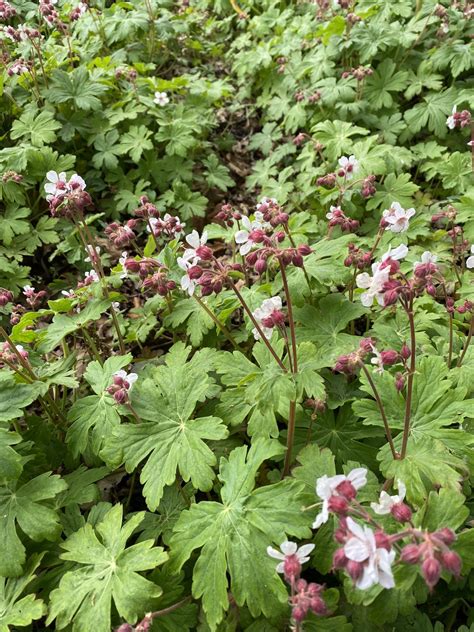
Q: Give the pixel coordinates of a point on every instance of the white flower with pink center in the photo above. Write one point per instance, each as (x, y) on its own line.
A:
(187, 284)
(289, 549)
(263, 312)
(397, 219)
(243, 237)
(196, 242)
(377, 563)
(350, 165)
(386, 502)
(326, 487)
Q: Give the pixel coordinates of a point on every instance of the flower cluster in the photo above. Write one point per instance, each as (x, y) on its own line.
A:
(5, 297)
(66, 197)
(305, 597)
(121, 235)
(349, 363)
(170, 226)
(49, 13)
(7, 11)
(367, 555)
(268, 316)
(8, 355)
(357, 257)
(19, 67)
(33, 298)
(459, 119)
(121, 385)
(358, 73)
(227, 215)
(376, 285)
(337, 217)
(153, 274)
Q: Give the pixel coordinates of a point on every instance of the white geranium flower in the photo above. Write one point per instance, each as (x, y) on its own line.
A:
(362, 548)
(130, 378)
(397, 218)
(27, 289)
(377, 360)
(386, 502)
(470, 260)
(76, 182)
(400, 252)
(187, 284)
(242, 237)
(161, 99)
(350, 165)
(268, 306)
(426, 257)
(450, 122)
(68, 293)
(373, 284)
(195, 241)
(57, 183)
(326, 486)
(91, 274)
(93, 253)
(287, 549)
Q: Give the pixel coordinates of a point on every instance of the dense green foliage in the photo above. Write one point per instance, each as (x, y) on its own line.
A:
(169, 497)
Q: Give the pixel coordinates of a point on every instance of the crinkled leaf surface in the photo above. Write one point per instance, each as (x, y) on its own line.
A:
(233, 535)
(105, 570)
(170, 439)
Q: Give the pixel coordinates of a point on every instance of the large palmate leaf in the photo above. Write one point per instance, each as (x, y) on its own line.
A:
(17, 610)
(93, 417)
(325, 326)
(170, 439)
(105, 570)
(233, 535)
(27, 506)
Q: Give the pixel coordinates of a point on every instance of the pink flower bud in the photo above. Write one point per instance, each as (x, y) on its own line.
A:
(297, 261)
(366, 345)
(347, 489)
(451, 562)
(125, 627)
(301, 585)
(291, 567)
(399, 382)
(431, 571)
(405, 351)
(431, 290)
(389, 357)
(401, 512)
(382, 540)
(318, 606)
(410, 554)
(121, 396)
(251, 258)
(446, 535)
(204, 253)
(339, 560)
(354, 569)
(304, 250)
(298, 613)
(338, 505)
(314, 589)
(195, 272)
(260, 266)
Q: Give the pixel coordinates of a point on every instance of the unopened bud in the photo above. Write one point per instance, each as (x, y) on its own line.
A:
(354, 569)
(405, 351)
(338, 505)
(431, 571)
(389, 357)
(446, 535)
(451, 562)
(339, 559)
(260, 266)
(410, 554)
(401, 512)
(382, 541)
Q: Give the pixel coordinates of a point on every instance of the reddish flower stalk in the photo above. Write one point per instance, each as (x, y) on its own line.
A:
(411, 375)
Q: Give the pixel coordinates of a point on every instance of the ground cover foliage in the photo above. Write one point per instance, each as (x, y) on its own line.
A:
(236, 261)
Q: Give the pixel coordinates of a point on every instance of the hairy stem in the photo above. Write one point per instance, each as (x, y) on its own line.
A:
(257, 326)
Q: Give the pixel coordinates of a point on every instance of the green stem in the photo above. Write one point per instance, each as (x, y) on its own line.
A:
(216, 320)
(388, 432)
